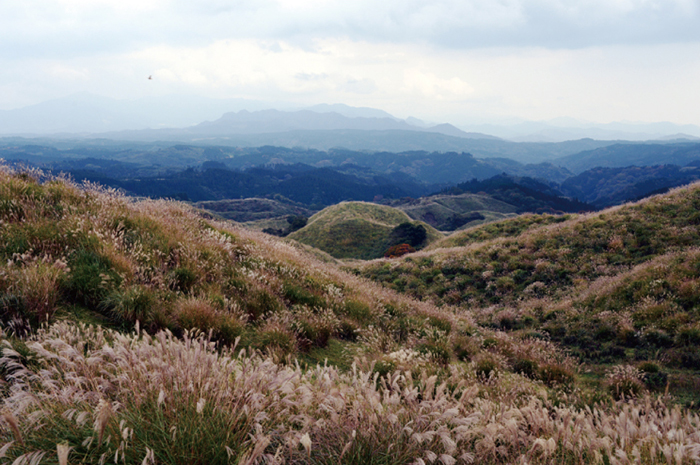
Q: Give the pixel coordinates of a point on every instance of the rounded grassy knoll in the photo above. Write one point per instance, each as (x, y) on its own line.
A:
(357, 230)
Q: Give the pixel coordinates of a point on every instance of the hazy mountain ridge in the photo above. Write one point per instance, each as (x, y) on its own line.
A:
(621, 155)
(275, 121)
(87, 114)
(604, 187)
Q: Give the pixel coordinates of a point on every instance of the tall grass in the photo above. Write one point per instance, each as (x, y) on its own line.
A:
(65, 247)
(224, 318)
(139, 398)
(614, 287)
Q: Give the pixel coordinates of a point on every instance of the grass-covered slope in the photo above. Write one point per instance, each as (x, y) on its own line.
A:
(500, 261)
(355, 230)
(450, 212)
(92, 254)
(254, 209)
(509, 227)
(619, 285)
(397, 381)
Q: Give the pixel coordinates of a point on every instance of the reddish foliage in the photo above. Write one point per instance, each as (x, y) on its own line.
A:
(398, 250)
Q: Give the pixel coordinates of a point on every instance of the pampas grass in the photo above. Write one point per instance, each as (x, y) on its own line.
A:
(180, 401)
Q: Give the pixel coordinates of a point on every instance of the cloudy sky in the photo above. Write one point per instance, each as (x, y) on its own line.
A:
(440, 60)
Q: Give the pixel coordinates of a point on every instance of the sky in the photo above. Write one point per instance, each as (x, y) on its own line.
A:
(439, 60)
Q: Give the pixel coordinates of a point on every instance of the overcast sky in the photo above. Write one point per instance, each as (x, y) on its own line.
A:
(440, 60)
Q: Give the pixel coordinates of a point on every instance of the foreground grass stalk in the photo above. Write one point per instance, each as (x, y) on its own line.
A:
(159, 399)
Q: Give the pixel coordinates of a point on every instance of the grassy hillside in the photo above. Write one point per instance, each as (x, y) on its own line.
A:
(123, 325)
(615, 286)
(254, 209)
(355, 230)
(450, 212)
(508, 227)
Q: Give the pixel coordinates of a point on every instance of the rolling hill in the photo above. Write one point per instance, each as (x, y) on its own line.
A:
(146, 331)
(358, 230)
(616, 286)
(451, 212)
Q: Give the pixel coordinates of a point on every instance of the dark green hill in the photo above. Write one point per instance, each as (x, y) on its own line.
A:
(254, 209)
(451, 212)
(604, 187)
(640, 154)
(525, 194)
(299, 183)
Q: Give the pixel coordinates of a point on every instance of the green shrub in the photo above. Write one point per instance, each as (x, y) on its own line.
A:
(228, 329)
(182, 279)
(14, 314)
(526, 367)
(314, 329)
(383, 367)
(358, 311)
(134, 303)
(300, 296)
(658, 337)
(438, 350)
(442, 324)
(485, 366)
(348, 329)
(553, 374)
(414, 235)
(276, 341)
(196, 313)
(688, 336)
(464, 348)
(259, 302)
(652, 376)
(91, 279)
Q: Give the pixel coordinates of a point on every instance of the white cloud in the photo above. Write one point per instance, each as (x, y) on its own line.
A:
(73, 27)
(594, 59)
(434, 87)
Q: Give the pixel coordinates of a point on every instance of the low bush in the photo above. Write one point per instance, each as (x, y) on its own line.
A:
(92, 277)
(554, 374)
(624, 382)
(131, 304)
(182, 279)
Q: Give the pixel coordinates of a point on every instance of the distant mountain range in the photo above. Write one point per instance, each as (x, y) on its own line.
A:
(245, 122)
(620, 155)
(275, 121)
(565, 129)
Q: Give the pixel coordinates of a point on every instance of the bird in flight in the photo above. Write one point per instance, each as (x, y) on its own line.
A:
(150, 77)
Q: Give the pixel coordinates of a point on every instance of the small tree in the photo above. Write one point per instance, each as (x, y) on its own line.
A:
(408, 233)
(398, 250)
